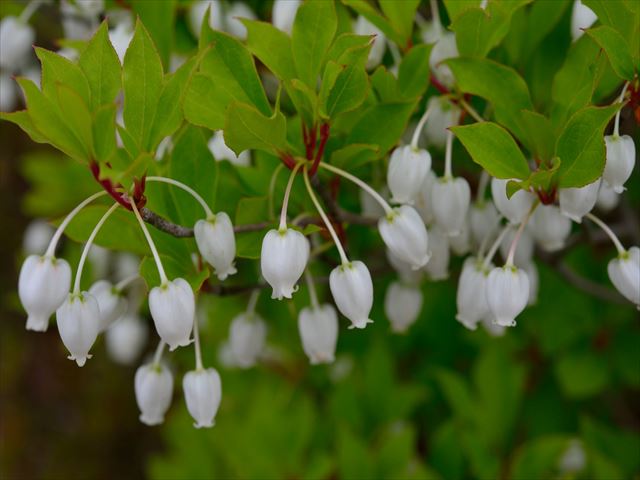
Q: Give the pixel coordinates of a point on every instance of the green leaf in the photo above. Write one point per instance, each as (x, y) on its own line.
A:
(304, 98)
(619, 16)
(345, 42)
(174, 268)
(456, 7)
(479, 30)
(49, 122)
(272, 47)
(348, 92)
(500, 85)
(365, 9)
(251, 210)
(101, 66)
(246, 128)
(491, 147)
(58, 70)
(354, 459)
(78, 118)
(385, 85)
(401, 15)
(581, 148)
(313, 30)
(539, 457)
(205, 102)
(142, 80)
(617, 50)
(354, 155)
(22, 119)
(104, 132)
(413, 73)
(158, 18)
(582, 374)
(168, 116)
(541, 138)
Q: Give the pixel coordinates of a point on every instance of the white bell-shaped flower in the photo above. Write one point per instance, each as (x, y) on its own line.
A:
(624, 272)
(197, 12)
(36, 237)
(444, 48)
(221, 151)
(202, 393)
(8, 93)
(483, 222)
(515, 208)
(492, 328)
(111, 302)
(16, 39)
(120, 37)
(87, 9)
(549, 227)
(507, 294)
(573, 459)
(318, 327)
(471, 296)
(283, 258)
(450, 199)
(234, 13)
(217, 243)
(404, 270)
(608, 199)
(78, 321)
(405, 235)
(438, 266)
(43, 286)
(402, 305)
(534, 282)
(461, 244)
(362, 26)
(154, 388)
(172, 307)
(582, 17)
(352, 290)
(443, 115)
(423, 200)
(247, 337)
(524, 248)
(126, 338)
(621, 158)
(284, 14)
(406, 173)
(575, 203)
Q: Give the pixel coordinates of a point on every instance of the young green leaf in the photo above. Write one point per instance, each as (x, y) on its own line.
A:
(413, 73)
(348, 92)
(102, 68)
(22, 119)
(77, 117)
(142, 80)
(246, 128)
(541, 137)
(272, 47)
(491, 147)
(205, 102)
(401, 15)
(313, 31)
(354, 155)
(158, 18)
(616, 48)
(59, 70)
(621, 17)
(580, 146)
(345, 42)
(104, 132)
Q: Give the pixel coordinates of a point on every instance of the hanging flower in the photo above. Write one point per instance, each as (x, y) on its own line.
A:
(507, 294)
(247, 337)
(621, 158)
(318, 327)
(283, 258)
(202, 392)
(549, 227)
(515, 208)
(111, 303)
(624, 272)
(471, 296)
(450, 199)
(172, 307)
(408, 167)
(154, 388)
(352, 290)
(78, 321)
(575, 203)
(405, 235)
(402, 305)
(217, 243)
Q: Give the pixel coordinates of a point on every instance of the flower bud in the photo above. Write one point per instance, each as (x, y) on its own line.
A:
(352, 290)
(365, 27)
(507, 294)
(16, 40)
(621, 158)
(234, 26)
(154, 389)
(515, 208)
(284, 14)
(582, 17)
(402, 305)
(450, 199)
(575, 203)
(406, 173)
(443, 115)
(217, 243)
(405, 235)
(111, 303)
(172, 307)
(318, 328)
(549, 227)
(220, 151)
(404, 270)
(247, 336)
(283, 258)
(202, 392)
(624, 272)
(197, 12)
(608, 199)
(444, 48)
(471, 297)
(483, 221)
(78, 321)
(126, 338)
(438, 266)
(43, 286)
(423, 201)
(524, 249)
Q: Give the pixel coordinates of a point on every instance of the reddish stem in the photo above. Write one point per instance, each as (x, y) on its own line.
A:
(439, 86)
(288, 160)
(548, 197)
(116, 191)
(324, 136)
